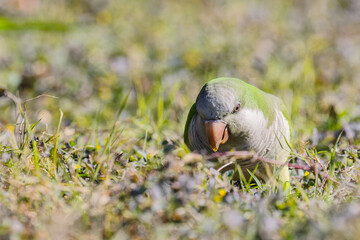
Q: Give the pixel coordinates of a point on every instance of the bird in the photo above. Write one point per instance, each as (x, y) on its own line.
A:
(232, 115)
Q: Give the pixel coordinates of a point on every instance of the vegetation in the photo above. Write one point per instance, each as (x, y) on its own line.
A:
(94, 99)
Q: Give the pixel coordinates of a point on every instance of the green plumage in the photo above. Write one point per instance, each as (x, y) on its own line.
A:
(262, 123)
(249, 96)
(192, 112)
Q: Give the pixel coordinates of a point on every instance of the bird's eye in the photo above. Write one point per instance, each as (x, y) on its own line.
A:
(236, 108)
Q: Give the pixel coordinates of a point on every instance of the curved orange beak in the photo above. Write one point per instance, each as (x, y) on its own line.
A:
(217, 133)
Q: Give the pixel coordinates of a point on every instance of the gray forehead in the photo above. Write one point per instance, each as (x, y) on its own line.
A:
(215, 101)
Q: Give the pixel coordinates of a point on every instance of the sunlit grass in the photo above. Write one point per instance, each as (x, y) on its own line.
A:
(94, 98)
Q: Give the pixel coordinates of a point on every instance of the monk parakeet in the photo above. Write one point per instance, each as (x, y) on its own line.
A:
(230, 114)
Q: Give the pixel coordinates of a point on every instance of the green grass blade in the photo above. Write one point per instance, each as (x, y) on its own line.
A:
(54, 153)
(36, 157)
(256, 180)
(332, 158)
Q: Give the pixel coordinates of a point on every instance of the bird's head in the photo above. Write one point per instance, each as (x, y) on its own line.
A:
(220, 106)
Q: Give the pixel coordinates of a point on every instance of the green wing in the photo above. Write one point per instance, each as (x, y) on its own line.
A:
(192, 112)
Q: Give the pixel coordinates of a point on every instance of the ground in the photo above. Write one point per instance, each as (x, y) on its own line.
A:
(94, 99)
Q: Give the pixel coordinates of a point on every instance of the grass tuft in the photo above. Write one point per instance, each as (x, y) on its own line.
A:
(112, 163)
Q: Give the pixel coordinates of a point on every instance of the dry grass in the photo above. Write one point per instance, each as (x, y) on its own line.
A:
(95, 96)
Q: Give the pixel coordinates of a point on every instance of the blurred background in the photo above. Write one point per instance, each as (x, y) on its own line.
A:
(92, 54)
